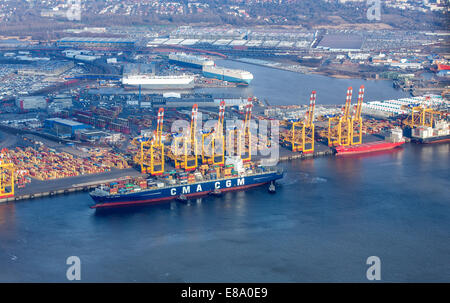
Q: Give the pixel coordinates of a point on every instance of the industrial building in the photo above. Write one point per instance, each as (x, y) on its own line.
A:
(64, 128)
(96, 42)
(46, 68)
(188, 100)
(141, 68)
(59, 103)
(94, 136)
(400, 106)
(31, 103)
(341, 42)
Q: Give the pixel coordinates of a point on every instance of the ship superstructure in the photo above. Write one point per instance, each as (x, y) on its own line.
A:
(190, 60)
(159, 82)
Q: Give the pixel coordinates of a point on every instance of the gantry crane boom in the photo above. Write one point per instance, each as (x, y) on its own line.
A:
(217, 155)
(312, 106)
(348, 103)
(344, 127)
(339, 129)
(302, 133)
(356, 120)
(244, 134)
(219, 138)
(157, 147)
(189, 157)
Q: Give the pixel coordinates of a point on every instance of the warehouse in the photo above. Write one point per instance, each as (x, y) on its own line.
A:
(31, 103)
(64, 128)
(87, 42)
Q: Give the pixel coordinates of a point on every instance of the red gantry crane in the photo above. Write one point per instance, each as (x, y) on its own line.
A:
(339, 127)
(302, 133)
(356, 120)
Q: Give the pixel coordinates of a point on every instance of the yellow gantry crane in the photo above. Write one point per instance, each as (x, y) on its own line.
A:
(302, 133)
(356, 122)
(157, 147)
(187, 157)
(6, 178)
(339, 126)
(213, 152)
(151, 150)
(422, 115)
(244, 134)
(346, 129)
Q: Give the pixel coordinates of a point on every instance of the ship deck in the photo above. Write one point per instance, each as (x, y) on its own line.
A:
(168, 185)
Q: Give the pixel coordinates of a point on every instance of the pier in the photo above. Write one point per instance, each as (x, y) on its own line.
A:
(317, 154)
(39, 189)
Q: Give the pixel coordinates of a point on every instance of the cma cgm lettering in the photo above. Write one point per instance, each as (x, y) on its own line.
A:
(199, 188)
(166, 192)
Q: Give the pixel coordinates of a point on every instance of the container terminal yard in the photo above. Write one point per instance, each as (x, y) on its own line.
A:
(99, 145)
(192, 141)
(87, 111)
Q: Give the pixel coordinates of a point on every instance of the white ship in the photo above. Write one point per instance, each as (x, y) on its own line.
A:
(189, 60)
(159, 82)
(227, 74)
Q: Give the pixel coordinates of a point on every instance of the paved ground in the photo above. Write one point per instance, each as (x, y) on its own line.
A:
(37, 186)
(7, 140)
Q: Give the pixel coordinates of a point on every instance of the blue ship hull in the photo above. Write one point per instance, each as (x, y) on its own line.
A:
(187, 190)
(226, 78)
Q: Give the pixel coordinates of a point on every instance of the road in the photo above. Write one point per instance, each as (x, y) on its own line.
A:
(7, 140)
(37, 186)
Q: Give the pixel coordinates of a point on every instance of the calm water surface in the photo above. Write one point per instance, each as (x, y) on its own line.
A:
(328, 216)
(282, 87)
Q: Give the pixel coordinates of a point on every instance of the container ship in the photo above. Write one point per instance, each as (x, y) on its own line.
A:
(159, 82)
(427, 135)
(182, 185)
(395, 139)
(189, 60)
(226, 74)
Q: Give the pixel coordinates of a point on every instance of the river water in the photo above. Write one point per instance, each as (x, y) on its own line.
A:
(283, 87)
(327, 217)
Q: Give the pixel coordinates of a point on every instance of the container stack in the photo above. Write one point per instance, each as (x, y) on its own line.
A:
(45, 164)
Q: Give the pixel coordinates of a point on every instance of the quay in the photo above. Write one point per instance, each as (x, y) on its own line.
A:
(293, 156)
(39, 189)
(48, 188)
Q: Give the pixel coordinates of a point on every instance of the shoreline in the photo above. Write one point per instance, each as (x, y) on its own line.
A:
(64, 186)
(306, 71)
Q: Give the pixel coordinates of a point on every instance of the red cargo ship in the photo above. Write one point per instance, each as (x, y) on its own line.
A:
(443, 67)
(367, 147)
